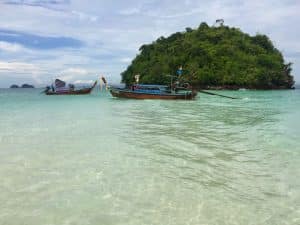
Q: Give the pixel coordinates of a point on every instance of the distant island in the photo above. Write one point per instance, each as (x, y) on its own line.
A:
(27, 86)
(213, 58)
(22, 86)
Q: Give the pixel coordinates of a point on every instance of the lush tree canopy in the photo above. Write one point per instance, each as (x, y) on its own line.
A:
(212, 56)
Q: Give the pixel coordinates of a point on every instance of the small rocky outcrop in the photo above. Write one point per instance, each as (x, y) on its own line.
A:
(27, 86)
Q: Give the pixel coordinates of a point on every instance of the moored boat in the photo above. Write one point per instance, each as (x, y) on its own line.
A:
(153, 92)
(61, 89)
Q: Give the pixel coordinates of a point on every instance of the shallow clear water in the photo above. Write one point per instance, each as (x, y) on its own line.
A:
(99, 160)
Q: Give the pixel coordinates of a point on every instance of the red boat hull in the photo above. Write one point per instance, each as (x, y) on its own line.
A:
(138, 95)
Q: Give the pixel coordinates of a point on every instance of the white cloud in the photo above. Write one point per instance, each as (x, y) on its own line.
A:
(73, 74)
(10, 47)
(76, 71)
(84, 16)
(130, 11)
(18, 67)
(126, 60)
(113, 31)
(22, 70)
(83, 81)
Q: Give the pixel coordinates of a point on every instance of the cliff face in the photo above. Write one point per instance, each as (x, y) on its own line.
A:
(213, 56)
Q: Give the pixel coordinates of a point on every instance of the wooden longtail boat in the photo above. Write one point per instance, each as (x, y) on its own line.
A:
(70, 90)
(152, 92)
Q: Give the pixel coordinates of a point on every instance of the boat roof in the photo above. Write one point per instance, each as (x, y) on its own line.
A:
(151, 85)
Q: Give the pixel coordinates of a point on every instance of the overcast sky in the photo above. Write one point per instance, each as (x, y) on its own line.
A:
(80, 40)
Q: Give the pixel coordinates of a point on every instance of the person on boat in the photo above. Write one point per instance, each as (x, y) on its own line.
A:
(71, 87)
(47, 89)
(186, 86)
(173, 86)
(179, 71)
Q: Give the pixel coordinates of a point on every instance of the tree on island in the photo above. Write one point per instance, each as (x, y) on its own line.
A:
(213, 56)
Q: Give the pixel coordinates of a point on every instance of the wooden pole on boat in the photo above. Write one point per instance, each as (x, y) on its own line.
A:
(105, 82)
(101, 84)
(210, 93)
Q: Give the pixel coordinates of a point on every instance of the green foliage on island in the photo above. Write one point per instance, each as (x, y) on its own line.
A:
(212, 56)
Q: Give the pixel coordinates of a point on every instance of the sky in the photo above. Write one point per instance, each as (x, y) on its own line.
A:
(79, 41)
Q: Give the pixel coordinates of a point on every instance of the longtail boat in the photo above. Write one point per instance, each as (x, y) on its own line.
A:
(141, 91)
(61, 89)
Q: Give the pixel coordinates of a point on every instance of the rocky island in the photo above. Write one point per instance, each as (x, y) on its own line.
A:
(220, 57)
(27, 86)
(22, 86)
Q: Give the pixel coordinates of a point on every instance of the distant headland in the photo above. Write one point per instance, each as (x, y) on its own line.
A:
(213, 57)
(22, 86)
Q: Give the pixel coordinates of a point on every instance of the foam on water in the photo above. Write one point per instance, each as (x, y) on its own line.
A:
(99, 160)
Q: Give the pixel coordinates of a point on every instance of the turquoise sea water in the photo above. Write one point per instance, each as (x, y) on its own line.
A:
(99, 160)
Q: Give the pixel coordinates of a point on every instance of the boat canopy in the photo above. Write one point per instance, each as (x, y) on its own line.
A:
(59, 83)
(151, 85)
